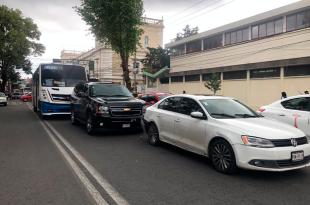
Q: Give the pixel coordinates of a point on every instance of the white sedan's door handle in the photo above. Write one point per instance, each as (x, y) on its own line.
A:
(158, 115)
(281, 115)
(177, 120)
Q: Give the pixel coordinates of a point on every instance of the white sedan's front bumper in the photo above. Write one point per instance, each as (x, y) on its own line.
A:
(276, 159)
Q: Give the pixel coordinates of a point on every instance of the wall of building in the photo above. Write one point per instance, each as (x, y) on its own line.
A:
(294, 44)
(253, 92)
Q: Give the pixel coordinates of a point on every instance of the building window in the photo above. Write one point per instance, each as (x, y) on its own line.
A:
(278, 24)
(207, 76)
(164, 80)
(177, 79)
(300, 70)
(213, 42)
(267, 29)
(178, 50)
(191, 78)
(233, 37)
(245, 34)
(262, 31)
(265, 73)
(298, 20)
(193, 46)
(234, 75)
(237, 36)
(254, 32)
(270, 28)
(227, 38)
(146, 41)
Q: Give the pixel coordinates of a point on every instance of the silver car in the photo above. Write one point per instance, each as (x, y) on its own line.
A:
(3, 99)
(228, 132)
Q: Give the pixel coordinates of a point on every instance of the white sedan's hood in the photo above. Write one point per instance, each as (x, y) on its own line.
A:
(2, 98)
(262, 127)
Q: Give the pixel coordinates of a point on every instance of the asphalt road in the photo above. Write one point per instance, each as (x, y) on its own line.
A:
(122, 169)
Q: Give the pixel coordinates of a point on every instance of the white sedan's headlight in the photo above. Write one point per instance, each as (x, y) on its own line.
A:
(256, 141)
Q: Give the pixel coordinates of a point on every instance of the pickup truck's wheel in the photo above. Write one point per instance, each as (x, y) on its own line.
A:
(223, 157)
(153, 135)
(90, 125)
(73, 119)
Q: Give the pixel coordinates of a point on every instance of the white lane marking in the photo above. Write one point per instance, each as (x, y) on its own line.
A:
(102, 181)
(111, 191)
(83, 178)
(94, 193)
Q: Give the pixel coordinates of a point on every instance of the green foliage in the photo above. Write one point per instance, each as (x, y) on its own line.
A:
(187, 31)
(19, 38)
(116, 22)
(213, 83)
(156, 58)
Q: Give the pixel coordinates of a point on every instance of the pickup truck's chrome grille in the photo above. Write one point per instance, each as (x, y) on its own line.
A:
(125, 111)
(60, 97)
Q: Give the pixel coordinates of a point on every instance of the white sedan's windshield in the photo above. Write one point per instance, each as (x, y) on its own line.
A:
(227, 108)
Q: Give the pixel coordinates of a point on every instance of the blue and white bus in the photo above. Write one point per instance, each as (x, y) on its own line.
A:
(52, 87)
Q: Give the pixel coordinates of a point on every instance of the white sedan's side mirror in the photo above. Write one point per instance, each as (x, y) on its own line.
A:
(198, 115)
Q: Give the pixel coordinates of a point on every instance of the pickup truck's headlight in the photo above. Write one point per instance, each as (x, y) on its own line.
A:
(256, 141)
(102, 109)
(308, 138)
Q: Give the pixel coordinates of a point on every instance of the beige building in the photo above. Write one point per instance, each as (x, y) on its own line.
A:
(107, 64)
(257, 58)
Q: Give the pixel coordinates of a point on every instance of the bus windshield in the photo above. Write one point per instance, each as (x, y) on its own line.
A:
(62, 75)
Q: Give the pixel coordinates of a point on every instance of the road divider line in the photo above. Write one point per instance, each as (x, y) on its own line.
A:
(93, 172)
(95, 194)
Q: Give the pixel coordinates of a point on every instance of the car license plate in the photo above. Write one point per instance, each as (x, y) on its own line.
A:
(297, 156)
(126, 125)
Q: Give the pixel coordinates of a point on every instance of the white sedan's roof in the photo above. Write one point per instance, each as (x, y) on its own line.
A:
(201, 97)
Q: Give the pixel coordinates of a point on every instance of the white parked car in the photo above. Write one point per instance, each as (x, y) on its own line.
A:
(228, 132)
(294, 111)
(3, 99)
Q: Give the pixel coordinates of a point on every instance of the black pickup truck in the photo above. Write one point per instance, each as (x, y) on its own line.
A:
(103, 105)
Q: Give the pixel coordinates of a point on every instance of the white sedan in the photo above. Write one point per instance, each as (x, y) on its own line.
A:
(228, 132)
(294, 111)
(3, 99)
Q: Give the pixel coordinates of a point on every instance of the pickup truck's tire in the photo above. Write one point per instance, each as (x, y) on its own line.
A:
(73, 119)
(90, 129)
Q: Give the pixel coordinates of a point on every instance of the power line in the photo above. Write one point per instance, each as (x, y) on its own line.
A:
(188, 8)
(202, 12)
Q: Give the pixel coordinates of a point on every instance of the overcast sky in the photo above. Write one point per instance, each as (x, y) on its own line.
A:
(62, 28)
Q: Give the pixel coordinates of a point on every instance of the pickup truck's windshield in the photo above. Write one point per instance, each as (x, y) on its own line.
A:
(106, 90)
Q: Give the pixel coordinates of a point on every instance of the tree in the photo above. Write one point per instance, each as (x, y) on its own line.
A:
(116, 22)
(19, 38)
(187, 31)
(214, 83)
(157, 58)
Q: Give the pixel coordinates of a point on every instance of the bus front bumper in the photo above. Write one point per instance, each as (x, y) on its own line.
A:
(54, 109)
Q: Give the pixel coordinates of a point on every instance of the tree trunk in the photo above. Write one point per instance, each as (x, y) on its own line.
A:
(2, 85)
(126, 71)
